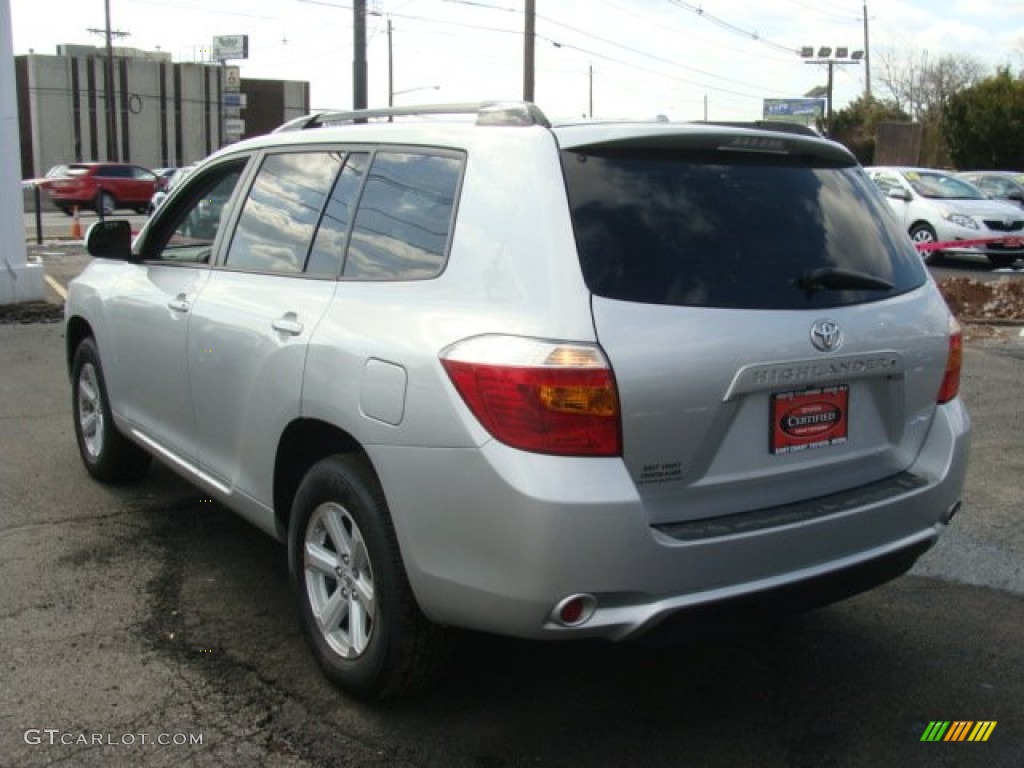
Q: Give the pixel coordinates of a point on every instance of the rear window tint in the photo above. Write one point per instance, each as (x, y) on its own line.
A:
(727, 230)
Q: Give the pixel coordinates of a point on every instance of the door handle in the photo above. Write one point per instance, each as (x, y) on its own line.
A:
(288, 323)
(179, 303)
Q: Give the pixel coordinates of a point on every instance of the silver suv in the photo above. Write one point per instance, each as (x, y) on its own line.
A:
(542, 381)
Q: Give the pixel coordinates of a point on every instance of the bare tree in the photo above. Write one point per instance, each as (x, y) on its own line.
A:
(920, 86)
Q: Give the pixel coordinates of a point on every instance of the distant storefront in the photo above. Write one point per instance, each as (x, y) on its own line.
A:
(166, 114)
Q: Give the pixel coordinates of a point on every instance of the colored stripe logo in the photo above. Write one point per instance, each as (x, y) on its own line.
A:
(958, 730)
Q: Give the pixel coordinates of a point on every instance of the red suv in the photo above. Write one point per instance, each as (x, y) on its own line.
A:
(103, 187)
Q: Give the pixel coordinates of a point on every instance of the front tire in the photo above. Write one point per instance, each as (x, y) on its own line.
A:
(107, 454)
(358, 613)
(924, 234)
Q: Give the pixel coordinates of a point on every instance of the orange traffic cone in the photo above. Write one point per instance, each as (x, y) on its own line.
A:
(76, 226)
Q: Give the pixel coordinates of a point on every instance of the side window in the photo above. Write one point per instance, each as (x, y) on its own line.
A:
(186, 230)
(997, 187)
(404, 218)
(887, 183)
(281, 212)
(329, 245)
(143, 174)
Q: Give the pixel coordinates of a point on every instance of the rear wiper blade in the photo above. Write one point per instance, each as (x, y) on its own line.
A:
(836, 279)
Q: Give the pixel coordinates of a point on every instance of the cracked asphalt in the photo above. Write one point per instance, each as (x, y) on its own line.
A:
(134, 613)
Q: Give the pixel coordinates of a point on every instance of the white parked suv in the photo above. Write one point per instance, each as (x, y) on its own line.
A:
(544, 381)
(938, 207)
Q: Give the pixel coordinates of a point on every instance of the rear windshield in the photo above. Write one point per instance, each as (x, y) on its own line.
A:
(715, 229)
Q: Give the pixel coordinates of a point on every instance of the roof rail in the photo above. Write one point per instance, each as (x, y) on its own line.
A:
(520, 113)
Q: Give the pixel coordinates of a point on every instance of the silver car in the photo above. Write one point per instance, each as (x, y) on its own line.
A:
(563, 381)
(938, 207)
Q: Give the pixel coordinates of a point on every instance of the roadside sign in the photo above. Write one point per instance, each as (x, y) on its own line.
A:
(232, 77)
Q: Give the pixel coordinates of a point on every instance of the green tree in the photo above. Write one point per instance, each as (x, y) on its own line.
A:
(984, 124)
(854, 125)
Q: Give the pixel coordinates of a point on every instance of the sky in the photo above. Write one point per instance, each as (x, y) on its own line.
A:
(685, 59)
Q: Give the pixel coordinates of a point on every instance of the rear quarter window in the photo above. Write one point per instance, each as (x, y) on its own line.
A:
(736, 230)
(404, 220)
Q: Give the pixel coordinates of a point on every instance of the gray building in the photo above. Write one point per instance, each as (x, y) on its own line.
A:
(166, 113)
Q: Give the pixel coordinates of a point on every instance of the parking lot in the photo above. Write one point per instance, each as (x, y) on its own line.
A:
(145, 625)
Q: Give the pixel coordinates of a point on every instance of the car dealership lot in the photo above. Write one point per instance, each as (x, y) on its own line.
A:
(147, 614)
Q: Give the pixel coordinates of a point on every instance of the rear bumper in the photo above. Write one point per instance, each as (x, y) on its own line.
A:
(508, 535)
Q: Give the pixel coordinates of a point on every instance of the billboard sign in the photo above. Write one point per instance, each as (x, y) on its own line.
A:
(227, 47)
(805, 111)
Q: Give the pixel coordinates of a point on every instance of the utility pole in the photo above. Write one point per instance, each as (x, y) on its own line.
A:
(531, 21)
(108, 82)
(591, 101)
(359, 49)
(391, 69)
(867, 56)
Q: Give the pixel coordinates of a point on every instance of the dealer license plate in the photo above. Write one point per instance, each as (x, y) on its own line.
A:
(810, 418)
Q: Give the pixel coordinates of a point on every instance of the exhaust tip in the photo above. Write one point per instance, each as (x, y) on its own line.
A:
(574, 610)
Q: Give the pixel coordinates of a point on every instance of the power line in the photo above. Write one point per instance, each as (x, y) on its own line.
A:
(729, 26)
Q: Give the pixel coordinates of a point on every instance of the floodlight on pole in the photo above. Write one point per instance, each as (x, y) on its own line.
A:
(842, 56)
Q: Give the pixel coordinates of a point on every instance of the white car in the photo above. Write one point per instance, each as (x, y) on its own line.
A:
(937, 207)
(546, 381)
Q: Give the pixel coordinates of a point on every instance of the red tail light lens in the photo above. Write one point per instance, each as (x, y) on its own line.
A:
(540, 396)
(954, 362)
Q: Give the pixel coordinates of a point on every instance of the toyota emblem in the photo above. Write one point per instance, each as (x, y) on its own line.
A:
(826, 336)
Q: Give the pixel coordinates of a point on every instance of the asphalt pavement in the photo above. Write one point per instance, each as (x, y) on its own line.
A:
(146, 626)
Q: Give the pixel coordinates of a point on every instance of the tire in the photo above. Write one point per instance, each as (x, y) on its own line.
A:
(1002, 260)
(924, 233)
(105, 203)
(356, 607)
(107, 454)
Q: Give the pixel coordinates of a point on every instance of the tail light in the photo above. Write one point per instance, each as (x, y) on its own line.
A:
(954, 361)
(539, 396)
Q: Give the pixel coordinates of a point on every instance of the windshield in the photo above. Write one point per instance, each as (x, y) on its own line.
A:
(707, 229)
(941, 186)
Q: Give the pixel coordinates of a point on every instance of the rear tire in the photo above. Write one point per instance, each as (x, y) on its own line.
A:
(107, 454)
(358, 613)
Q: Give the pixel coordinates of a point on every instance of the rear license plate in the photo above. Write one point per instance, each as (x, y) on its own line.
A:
(809, 418)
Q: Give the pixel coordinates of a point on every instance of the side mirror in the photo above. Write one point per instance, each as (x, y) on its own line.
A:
(110, 239)
(898, 193)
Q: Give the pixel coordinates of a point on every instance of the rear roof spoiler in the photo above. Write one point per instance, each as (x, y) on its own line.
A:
(516, 113)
